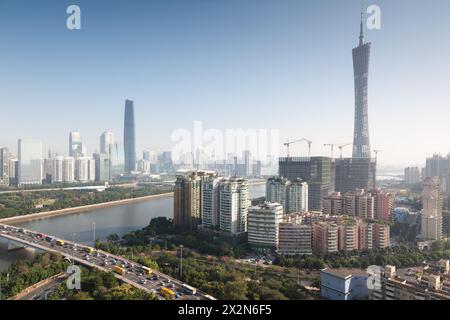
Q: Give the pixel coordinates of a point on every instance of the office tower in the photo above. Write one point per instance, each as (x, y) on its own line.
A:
(333, 204)
(143, 166)
(82, 169)
(47, 169)
(165, 162)
(68, 169)
(297, 193)
(129, 139)
(75, 144)
(117, 158)
(324, 238)
(234, 204)
(355, 173)
(432, 210)
(102, 167)
(13, 171)
(263, 225)
(147, 155)
(91, 169)
(383, 205)
(412, 175)
(316, 171)
(361, 59)
(187, 212)
(30, 162)
(57, 170)
(248, 163)
(4, 166)
(106, 140)
(211, 202)
(294, 237)
(276, 191)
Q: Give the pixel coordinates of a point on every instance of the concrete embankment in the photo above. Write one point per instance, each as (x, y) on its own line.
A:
(82, 209)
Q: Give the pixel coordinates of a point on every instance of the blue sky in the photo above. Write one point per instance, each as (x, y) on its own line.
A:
(276, 64)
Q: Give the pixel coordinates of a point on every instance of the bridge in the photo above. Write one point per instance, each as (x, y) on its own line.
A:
(131, 272)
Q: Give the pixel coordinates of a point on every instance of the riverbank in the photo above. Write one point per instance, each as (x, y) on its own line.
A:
(82, 209)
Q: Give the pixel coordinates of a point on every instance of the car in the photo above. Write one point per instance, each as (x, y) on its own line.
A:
(143, 281)
(155, 277)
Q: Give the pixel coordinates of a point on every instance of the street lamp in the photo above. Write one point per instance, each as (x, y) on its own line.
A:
(181, 262)
(93, 225)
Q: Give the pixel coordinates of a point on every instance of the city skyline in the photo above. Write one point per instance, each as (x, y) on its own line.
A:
(164, 87)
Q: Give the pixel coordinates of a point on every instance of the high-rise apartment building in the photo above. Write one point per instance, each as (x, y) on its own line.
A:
(294, 237)
(297, 193)
(188, 198)
(129, 137)
(412, 175)
(276, 191)
(234, 204)
(68, 170)
(432, 201)
(30, 162)
(360, 204)
(4, 166)
(82, 169)
(57, 170)
(325, 238)
(263, 225)
(211, 202)
(102, 167)
(333, 204)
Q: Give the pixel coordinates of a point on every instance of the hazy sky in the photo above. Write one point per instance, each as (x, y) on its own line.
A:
(275, 64)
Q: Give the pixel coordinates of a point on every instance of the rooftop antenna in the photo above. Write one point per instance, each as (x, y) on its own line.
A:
(361, 34)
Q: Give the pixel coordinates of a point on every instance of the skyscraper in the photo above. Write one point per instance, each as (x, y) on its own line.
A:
(4, 166)
(129, 137)
(361, 59)
(75, 144)
(30, 162)
(106, 140)
(432, 210)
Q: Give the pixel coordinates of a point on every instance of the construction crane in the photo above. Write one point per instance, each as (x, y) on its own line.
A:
(309, 146)
(341, 147)
(331, 145)
(376, 154)
(288, 145)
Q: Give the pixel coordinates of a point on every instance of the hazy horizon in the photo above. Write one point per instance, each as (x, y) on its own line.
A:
(260, 64)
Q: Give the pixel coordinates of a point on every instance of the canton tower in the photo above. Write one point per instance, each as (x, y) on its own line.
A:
(361, 59)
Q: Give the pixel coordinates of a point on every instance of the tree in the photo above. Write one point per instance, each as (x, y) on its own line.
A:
(235, 290)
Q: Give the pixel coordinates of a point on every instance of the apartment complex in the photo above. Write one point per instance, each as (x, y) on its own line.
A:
(412, 175)
(263, 225)
(292, 195)
(429, 282)
(372, 205)
(294, 236)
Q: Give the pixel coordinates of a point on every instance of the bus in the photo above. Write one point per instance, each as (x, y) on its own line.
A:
(189, 290)
(60, 243)
(147, 270)
(119, 270)
(167, 293)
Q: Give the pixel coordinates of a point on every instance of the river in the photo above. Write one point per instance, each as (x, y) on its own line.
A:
(119, 219)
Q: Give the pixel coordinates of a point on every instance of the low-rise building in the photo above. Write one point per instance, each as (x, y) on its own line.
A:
(344, 284)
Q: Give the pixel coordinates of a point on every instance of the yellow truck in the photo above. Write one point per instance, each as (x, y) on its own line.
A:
(119, 270)
(167, 293)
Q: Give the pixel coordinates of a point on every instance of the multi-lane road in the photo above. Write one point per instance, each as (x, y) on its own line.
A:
(125, 270)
